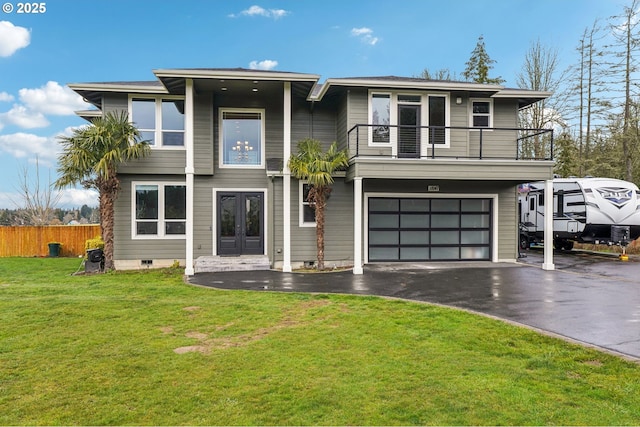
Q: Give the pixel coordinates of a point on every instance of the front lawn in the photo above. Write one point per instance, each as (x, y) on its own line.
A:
(145, 348)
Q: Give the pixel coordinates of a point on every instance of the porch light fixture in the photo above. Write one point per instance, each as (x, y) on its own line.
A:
(458, 100)
(255, 89)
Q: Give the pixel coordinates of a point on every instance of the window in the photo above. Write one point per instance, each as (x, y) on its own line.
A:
(380, 118)
(160, 210)
(307, 212)
(481, 116)
(395, 118)
(159, 120)
(242, 138)
(437, 117)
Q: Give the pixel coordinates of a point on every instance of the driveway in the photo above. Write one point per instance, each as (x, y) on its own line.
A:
(588, 298)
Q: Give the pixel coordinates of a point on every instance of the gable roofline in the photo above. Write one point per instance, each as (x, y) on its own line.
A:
(92, 92)
(234, 73)
(394, 82)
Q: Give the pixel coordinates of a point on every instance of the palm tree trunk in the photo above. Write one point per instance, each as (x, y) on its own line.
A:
(108, 193)
(320, 197)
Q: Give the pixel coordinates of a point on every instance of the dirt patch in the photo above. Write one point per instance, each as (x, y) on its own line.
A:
(293, 318)
(192, 308)
(196, 335)
(595, 363)
(166, 330)
(192, 349)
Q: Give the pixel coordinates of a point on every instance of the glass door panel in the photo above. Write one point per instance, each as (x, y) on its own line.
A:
(408, 131)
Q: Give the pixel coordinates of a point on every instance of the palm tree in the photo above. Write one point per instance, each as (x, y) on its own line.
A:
(91, 156)
(317, 167)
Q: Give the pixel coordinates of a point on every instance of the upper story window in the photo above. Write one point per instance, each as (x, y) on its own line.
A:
(159, 120)
(482, 113)
(241, 138)
(159, 210)
(307, 216)
(423, 118)
(380, 117)
(437, 118)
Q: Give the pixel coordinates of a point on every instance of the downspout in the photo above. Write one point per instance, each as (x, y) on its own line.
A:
(189, 171)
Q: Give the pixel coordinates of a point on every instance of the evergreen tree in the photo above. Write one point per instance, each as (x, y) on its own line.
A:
(479, 65)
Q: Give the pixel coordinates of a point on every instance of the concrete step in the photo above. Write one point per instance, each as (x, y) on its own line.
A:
(213, 264)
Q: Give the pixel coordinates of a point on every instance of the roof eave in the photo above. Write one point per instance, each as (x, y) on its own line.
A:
(399, 84)
(235, 74)
(525, 97)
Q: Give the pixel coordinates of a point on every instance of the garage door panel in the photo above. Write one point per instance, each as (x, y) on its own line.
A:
(383, 254)
(422, 229)
(414, 254)
(414, 221)
(414, 237)
(475, 221)
(384, 238)
(445, 253)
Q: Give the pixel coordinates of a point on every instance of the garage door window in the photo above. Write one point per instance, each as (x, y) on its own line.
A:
(422, 229)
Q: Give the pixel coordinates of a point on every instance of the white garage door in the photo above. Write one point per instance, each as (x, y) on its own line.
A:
(422, 229)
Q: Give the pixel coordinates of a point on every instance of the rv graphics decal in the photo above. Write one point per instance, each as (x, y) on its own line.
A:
(615, 195)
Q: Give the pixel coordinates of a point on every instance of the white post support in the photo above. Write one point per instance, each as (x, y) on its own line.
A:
(286, 181)
(548, 226)
(357, 226)
(189, 171)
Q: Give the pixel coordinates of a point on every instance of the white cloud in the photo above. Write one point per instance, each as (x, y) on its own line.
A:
(22, 117)
(74, 197)
(26, 145)
(52, 99)
(365, 35)
(256, 10)
(5, 97)
(12, 38)
(267, 64)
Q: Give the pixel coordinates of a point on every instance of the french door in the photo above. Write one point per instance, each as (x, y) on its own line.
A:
(240, 223)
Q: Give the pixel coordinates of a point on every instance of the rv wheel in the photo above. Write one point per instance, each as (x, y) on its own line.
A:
(524, 242)
(563, 245)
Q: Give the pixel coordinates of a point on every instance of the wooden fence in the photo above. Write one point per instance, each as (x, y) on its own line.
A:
(33, 241)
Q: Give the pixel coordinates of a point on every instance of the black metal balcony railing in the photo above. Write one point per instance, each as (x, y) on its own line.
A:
(431, 142)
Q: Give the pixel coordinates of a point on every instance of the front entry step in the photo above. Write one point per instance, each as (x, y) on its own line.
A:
(214, 264)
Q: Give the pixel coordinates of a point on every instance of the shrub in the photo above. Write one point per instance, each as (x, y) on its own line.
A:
(95, 243)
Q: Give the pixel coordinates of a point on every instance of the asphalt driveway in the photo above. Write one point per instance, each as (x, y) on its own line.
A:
(588, 298)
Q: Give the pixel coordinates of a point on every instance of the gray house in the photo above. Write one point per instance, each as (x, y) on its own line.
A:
(433, 174)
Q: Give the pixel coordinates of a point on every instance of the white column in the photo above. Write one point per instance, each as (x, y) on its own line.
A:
(286, 181)
(357, 226)
(548, 226)
(189, 171)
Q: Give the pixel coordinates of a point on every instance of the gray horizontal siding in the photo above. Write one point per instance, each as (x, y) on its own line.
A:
(159, 161)
(115, 102)
(203, 216)
(504, 170)
(274, 121)
(126, 248)
(203, 138)
(498, 143)
(338, 226)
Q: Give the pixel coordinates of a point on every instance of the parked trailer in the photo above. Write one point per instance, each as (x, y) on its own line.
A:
(585, 210)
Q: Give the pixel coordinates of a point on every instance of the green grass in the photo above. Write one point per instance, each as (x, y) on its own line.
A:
(144, 348)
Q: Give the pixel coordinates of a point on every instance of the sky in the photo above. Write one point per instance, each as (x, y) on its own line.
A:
(72, 41)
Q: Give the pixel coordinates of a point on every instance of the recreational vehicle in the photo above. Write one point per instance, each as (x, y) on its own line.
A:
(585, 210)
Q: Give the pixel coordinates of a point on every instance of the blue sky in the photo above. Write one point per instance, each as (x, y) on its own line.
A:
(74, 41)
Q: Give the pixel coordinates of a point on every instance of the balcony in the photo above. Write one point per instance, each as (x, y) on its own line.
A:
(450, 152)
